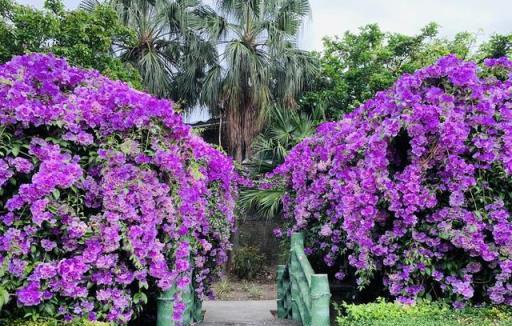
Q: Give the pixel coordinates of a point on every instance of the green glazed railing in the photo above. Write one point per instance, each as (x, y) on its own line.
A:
(193, 311)
(302, 295)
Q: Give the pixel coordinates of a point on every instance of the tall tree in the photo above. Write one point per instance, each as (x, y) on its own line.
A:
(357, 65)
(84, 38)
(259, 64)
(497, 46)
(169, 51)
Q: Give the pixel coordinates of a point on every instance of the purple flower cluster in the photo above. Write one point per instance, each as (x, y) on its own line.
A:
(415, 184)
(105, 192)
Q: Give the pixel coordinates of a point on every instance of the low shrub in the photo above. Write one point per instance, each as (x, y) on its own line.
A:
(248, 262)
(52, 322)
(384, 313)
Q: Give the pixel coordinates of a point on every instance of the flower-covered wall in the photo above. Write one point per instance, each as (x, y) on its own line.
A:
(106, 196)
(414, 187)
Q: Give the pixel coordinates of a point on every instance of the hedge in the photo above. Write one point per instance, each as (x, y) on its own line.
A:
(424, 313)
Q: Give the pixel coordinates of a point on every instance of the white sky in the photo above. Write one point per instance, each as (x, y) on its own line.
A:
(334, 17)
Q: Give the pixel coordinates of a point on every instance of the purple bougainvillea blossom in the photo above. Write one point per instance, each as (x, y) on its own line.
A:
(415, 184)
(110, 188)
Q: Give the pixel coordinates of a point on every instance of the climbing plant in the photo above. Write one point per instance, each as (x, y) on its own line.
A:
(106, 196)
(412, 189)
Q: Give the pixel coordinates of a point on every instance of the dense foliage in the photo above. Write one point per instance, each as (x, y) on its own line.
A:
(105, 195)
(247, 262)
(354, 66)
(85, 38)
(259, 64)
(169, 50)
(413, 188)
(52, 322)
(286, 128)
(383, 313)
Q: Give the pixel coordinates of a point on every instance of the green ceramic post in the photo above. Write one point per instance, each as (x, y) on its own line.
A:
(297, 242)
(165, 304)
(308, 294)
(281, 313)
(188, 300)
(320, 300)
(197, 313)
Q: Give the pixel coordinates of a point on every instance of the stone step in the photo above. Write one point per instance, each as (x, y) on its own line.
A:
(242, 313)
(254, 323)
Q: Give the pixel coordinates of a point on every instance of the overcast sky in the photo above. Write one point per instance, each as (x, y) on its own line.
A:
(334, 17)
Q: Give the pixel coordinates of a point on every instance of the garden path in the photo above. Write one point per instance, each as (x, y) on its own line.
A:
(242, 313)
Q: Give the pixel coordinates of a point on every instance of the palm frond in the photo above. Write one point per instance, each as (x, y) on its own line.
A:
(89, 5)
(286, 128)
(212, 85)
(267, 202)
(171, 52)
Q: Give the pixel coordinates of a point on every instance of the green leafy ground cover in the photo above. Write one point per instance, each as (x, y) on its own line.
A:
(383, 313)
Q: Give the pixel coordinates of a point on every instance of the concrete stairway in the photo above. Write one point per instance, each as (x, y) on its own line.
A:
(256, 323)
(242, 313)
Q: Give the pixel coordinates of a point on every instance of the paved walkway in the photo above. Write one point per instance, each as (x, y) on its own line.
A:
(241, 313)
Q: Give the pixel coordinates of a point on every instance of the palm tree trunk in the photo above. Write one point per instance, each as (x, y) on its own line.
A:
(234, 134)
(252, 128)
(243, 124)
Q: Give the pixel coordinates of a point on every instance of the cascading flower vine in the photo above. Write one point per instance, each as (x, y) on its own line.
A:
(415, 184)
(105, 193)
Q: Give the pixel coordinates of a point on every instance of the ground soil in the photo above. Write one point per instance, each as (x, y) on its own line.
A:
(231, 288)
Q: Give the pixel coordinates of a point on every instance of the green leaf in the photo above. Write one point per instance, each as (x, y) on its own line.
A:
(49, 309)
(56, 194)
(4, 297)
(196, 173)
(140, 297)
(143, 285)
(15, 150)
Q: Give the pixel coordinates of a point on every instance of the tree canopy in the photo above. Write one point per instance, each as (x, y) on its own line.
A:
(85, 38)
(356, 65)
(259, 64)
(169, 50)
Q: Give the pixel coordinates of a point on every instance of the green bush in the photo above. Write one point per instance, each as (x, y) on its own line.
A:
(383, 313)
(247, 262)
(51, 322)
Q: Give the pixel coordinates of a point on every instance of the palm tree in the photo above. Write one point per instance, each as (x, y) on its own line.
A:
(285, 129)
(258, 65)
(168, 51)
